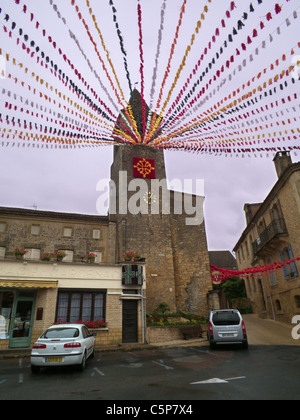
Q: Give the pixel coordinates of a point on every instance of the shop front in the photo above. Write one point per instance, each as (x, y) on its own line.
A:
(17, 309)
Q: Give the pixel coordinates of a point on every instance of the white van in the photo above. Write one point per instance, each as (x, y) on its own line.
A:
(226, 326)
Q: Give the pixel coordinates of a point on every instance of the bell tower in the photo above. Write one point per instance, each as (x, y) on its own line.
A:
(177, 261)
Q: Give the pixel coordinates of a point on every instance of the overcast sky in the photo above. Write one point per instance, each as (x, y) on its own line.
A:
(65, 179)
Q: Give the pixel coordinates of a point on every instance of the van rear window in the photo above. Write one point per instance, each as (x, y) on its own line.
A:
(226, 318)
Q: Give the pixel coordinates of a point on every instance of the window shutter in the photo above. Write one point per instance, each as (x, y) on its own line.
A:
(132, 274)
(286, 274)
(292, 265)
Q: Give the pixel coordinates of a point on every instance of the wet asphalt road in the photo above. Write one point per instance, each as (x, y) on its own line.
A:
(177, 374)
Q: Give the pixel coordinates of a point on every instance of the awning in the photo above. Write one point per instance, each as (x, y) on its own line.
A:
(32, 284)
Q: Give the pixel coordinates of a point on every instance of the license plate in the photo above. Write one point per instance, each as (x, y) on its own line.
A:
(53, 359)
(228, 335)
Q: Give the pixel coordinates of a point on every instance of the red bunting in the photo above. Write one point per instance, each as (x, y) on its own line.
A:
(256, 271)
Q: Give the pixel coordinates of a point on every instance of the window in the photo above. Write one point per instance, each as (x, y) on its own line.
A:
(69, 256)
(2, 251)
(35, 229)
(96, 234)
(98, 259)
(278, 305)
(297, 301)
(68, 232)
(6, 307)
(2, 227)
(32, 254)
(272, 275)
(73, 306)
(290, 271)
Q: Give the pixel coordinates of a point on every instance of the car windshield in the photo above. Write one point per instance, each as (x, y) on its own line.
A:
(226, 318)
(61, 333)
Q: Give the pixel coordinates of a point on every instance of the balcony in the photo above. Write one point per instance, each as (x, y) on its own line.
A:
(269, 237)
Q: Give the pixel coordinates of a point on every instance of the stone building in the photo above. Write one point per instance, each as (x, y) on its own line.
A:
(35, 292)
(166, 228)
(273, 234)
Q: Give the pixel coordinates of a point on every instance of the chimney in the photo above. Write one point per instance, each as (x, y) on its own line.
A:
(282, 161)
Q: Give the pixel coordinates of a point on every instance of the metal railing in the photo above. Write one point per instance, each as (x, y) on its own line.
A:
(275, 228)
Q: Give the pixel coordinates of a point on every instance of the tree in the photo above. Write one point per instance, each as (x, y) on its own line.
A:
(234, 288)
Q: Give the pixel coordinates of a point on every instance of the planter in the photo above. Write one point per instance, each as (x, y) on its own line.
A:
(59, 259)
(92, 260)
(19, 256)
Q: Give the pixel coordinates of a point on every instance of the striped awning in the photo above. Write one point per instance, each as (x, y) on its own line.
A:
(32, 284)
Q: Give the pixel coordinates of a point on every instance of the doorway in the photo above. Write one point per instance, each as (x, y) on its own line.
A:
(22, 320)
(130, 321)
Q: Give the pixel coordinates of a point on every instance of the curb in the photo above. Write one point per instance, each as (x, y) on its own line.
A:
(16, 353)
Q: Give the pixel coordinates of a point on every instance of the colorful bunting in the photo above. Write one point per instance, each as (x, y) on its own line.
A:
(54, 102)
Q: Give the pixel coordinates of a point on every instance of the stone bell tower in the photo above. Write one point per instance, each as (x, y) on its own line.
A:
(177, 261)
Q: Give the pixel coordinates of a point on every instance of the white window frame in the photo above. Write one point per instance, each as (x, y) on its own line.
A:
(32, 254)
(96, 233)
(68, 232)
(35, 229)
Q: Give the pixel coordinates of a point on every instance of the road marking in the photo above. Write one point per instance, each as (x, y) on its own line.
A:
(99, 371)
(217, 380)
(2, 382)
(133, 365)
(161, 363)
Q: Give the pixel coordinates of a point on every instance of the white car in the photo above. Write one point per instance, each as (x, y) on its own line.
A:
(61, 345)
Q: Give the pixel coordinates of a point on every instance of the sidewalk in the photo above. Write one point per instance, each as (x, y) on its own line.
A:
(17, 353)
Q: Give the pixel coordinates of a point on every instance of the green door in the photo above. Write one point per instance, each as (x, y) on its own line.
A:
(22, 320)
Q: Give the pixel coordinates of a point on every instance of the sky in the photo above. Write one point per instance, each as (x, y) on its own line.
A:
(65, 179)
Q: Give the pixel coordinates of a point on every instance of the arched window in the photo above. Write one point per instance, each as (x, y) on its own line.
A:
(278, 305)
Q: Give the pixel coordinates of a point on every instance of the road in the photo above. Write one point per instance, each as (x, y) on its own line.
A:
(268, 332)
(269, 370)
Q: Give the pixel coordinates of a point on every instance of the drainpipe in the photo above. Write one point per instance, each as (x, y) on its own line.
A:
(272, 306)
(142, 314)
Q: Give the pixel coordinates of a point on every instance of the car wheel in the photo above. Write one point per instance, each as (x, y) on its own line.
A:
(83, 362)
(35, 369)
(245, 345)
(93, 353)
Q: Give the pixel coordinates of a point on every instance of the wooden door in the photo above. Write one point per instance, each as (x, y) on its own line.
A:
(130, 321)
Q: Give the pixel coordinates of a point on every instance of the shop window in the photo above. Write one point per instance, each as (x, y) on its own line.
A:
(6, 305)
(73, 306)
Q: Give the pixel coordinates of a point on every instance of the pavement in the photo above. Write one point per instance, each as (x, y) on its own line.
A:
(25, 352)
(259, 331)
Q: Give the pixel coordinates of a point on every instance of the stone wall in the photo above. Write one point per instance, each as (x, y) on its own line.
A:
(50, 235)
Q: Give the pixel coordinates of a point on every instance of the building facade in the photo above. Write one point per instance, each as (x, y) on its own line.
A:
(166, 228)
(35, 293)
(272, 235)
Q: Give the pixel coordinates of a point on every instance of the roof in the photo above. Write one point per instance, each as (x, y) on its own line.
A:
(264, 205)
(15, 211)
(222, 259)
